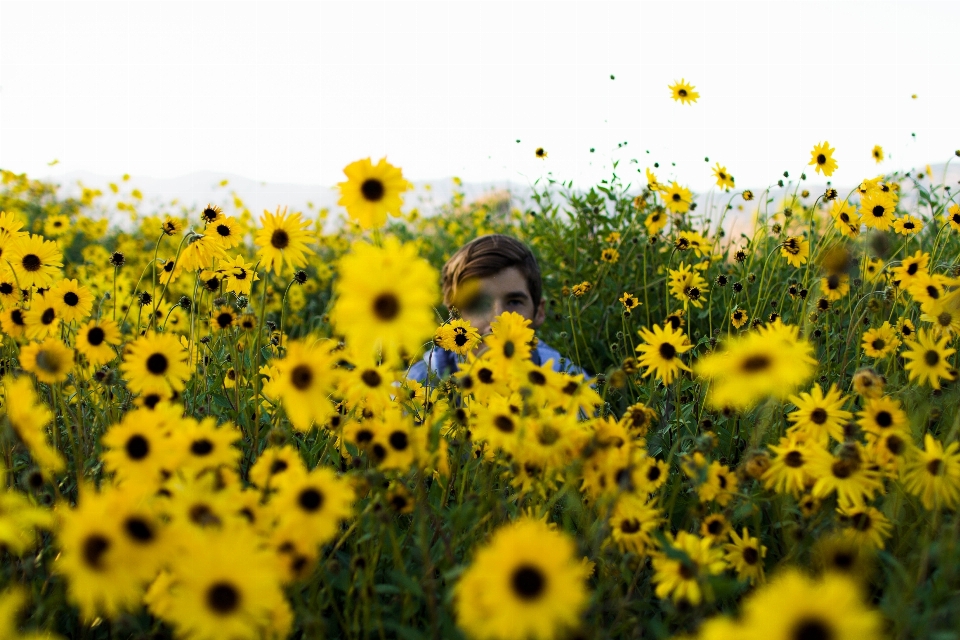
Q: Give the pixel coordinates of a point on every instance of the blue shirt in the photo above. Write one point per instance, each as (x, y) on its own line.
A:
(442, 363)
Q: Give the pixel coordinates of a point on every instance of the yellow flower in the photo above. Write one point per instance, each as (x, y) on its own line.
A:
(927, 358)
(677, 198)
(51, 361)
(282, 240)
(155, 363)
(660, 353)
(724, 179)
(526, 582)
(683, 574)
(372, 191)
(822, 159)
(795, 249)
(683, 92)
(385, 298)
(878, 153)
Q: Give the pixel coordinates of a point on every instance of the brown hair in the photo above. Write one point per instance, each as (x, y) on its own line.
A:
(486, 256)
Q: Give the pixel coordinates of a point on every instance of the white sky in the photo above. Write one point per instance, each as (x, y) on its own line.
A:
(293, 91)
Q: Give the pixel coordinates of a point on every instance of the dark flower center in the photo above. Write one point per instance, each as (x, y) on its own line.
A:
(794, 459)
(71, 299)
(31, 262)
(878, 211)
(861, 521)
(48, 316)
(630, 525)
(751, 555)
(812, 629)
(157, 364)
(537, 378)
(503, 423)
(224, 320)
(310, 499)
(372, 190)
(280, 239)
(756, 363)
(399, 440)
(224, 230)
(139, 529)
(201, 447)
(223, 598)
(884, 419)
(386, 306)
(667, 351)
(931, 357)
(278, 466)
(138, 447)
(94, 547)
(301, 377)
(371, 378)
(821, 159)
(528, 582)
(935, 467)
(818, 415)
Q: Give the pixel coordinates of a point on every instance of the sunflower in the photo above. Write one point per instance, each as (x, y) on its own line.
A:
(683, 92)
(41, 319)
(282, 240)
(101, 580)
(796, 250)
(791, 471)
(238, 275)
(835, 286)
(687, 285)
(95, 340)
(724, 179)
(876, 210)
(845, 218)
(74, 302)
(540, 153)
(223, 318)
(720, 484)
(629, 301)
(202, 445)
(314, 504)
(678, 199)
(655, 222)
(509, 342)
(850, 475)
(682, 574)
(794, 606)
(303, 382)
(526, 582)
(36, 262)
(225, 232)
(771, 361)
(943, 314)
(217, 597)
(927, 358)
(822, 159)
(877, 153)
(819, 417)
(715, 527)
(458, 336)
(155, 363)
(372, 191)
(909, 268)
(934, 474)
(632, 523)
(866, 526)
(51, 361)
(907, 225)
(745, 555)
(610, 255)
(738, 318)
(881, 341)
(385, 298)
(210, 213)
(137, 450)
(952, 216)
(660, 353)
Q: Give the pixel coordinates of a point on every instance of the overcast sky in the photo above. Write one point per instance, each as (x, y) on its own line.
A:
(293, 91)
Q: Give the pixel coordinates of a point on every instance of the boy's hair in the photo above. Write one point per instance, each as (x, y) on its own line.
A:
(486, 256)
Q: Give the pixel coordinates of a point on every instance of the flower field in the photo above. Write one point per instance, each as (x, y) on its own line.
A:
(208, 431)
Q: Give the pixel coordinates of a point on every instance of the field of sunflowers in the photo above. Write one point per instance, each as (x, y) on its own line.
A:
(208, 432)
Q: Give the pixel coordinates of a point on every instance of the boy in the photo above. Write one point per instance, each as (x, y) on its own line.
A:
(484, 278)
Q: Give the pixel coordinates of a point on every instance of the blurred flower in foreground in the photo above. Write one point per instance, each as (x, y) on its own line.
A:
(372, 191)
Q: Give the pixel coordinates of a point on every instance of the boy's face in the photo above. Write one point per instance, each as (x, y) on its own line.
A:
(506, 290)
